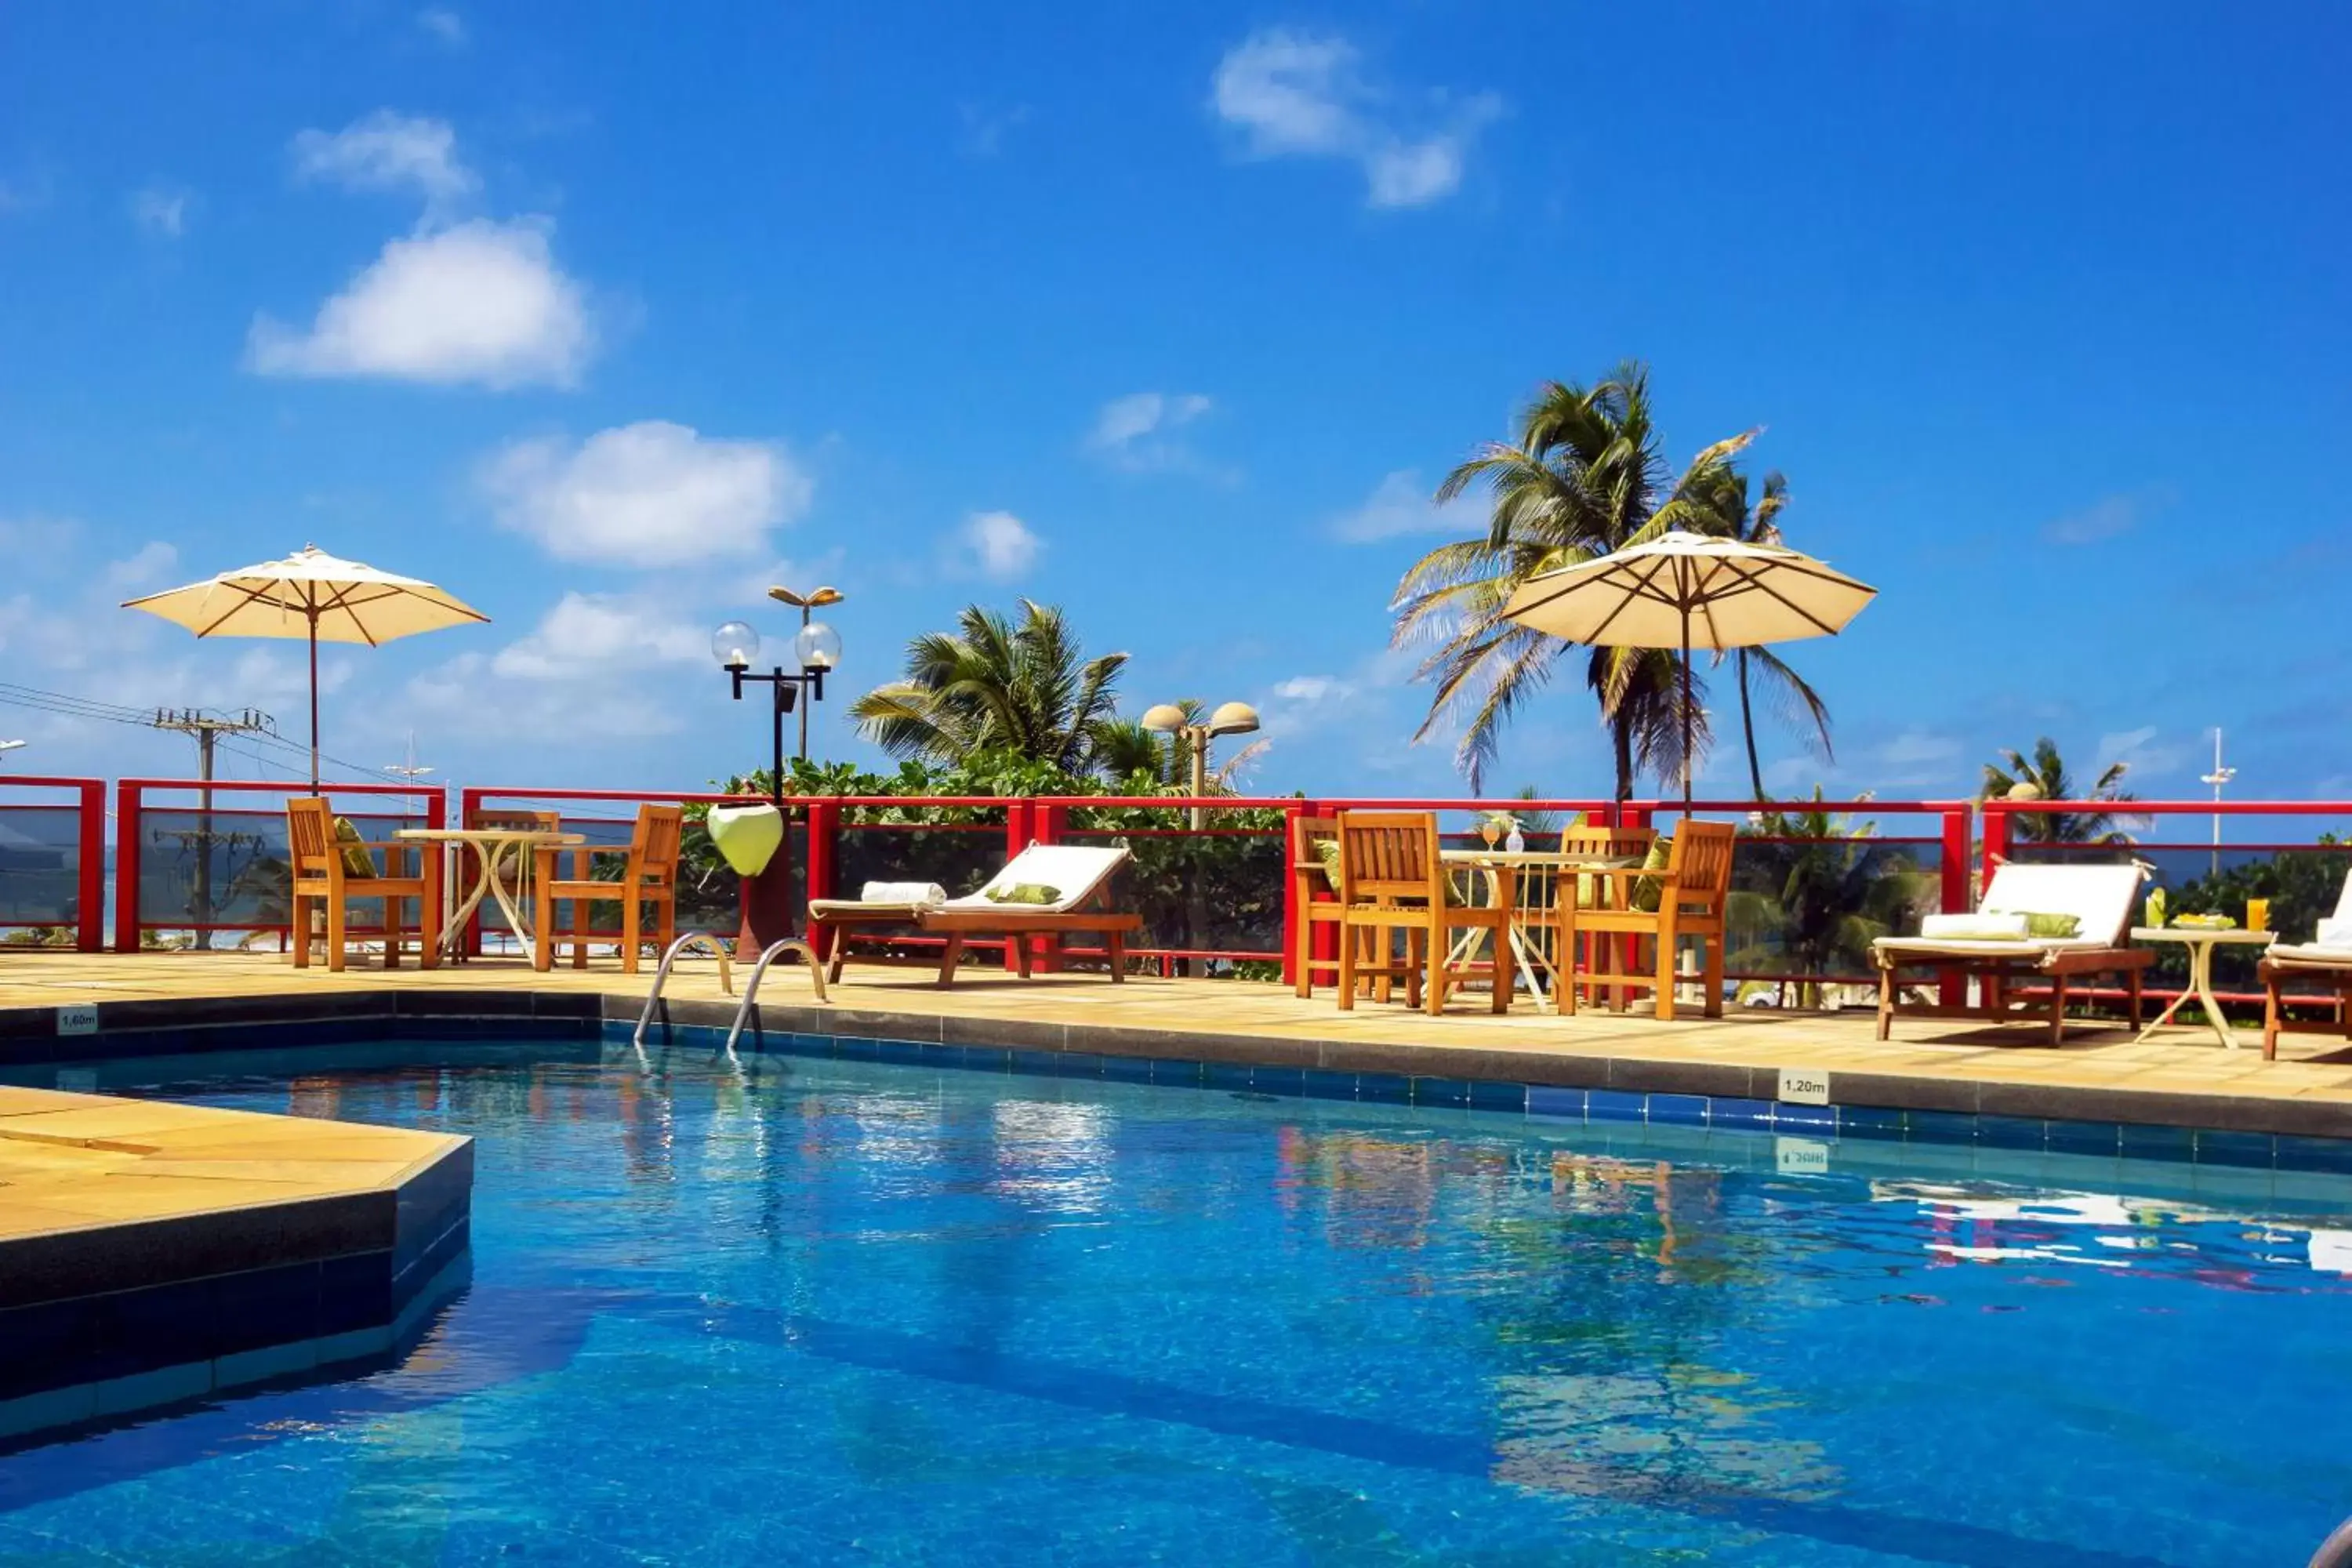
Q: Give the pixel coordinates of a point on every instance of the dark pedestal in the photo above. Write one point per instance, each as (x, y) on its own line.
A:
(769, 914)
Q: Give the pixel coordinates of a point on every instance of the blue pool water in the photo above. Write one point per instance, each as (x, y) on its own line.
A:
(795, 1310)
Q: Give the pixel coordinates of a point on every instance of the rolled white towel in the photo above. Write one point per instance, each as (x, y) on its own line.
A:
(924, 893)
(1973, 927)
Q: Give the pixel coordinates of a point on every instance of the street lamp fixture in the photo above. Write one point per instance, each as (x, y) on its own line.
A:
(10, 745)
(1230, 719)
(817, 647)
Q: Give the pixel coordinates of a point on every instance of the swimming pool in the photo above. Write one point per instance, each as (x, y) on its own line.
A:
(795, 1309)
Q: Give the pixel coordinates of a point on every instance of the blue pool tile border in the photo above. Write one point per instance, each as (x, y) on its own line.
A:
(1551, 1102)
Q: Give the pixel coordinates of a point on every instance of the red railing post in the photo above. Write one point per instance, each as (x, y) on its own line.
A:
(817, 861)
(1292, 852)
(1958, 896)
(1020, 829)
(1048, 821)
(89, 870)
(126, 867)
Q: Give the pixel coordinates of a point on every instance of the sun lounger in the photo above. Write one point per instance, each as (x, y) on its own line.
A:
(2327, 958)
(1078, 876)
(2100, 898)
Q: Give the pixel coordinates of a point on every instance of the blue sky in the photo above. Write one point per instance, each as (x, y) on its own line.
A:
(608, 317)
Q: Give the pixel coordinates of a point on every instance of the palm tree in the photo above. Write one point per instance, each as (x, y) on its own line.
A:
(1724, 510)
(1817, 890)
(1583, 479)
(2043, 777)
(994, 688)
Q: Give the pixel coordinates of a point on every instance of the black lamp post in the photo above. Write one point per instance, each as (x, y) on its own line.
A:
(767, 902)
(818, 647)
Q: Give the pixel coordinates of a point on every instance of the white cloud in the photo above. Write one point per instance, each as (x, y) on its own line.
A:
(1399, 504)
(149, 566)
(387, 152)
(1303, 95)
(587, 631)
(2106, 518)
(1137, 431)
(160, 210)
(996, 544)
(648, 494)
(481, 302)
(446, 26)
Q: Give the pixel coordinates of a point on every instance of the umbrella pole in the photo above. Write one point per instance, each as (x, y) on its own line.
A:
(314, 700)
(1687, 711)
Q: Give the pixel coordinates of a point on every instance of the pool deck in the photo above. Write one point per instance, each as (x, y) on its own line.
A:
(2181, 1078)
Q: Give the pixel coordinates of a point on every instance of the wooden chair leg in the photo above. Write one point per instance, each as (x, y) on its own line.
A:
(1664, 975)
(1349, 946)
(2057, 1009)
(631, 932)
(1885, 1001)
(1021, 956)
(949, 956)
(300, 934)
(835, 949)
(2270, 1019)
(1116, 942)
(1303, 958)
(1440, 980)
(1712, 946)
(542, 938)
(1506, 976)
(336, 913)
(395, 933)
(2131, 989)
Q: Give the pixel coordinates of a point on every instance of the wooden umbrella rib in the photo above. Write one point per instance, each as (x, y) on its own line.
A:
(1756, 582)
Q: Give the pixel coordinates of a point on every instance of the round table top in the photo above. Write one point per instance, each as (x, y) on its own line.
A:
(542, 836)
(2202, 933)
(1536, 857)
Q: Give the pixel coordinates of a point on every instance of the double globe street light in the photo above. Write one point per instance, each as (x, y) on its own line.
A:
(1230, 719)
(817, 647)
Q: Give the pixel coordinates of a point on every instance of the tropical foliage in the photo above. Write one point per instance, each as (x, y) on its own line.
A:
(1582, 476)
(997, 687)
(2043, 777)
(1813, 890)
(1722, 501)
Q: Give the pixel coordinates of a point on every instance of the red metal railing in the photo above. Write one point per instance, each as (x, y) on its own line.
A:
(87, 914)
(132, 809)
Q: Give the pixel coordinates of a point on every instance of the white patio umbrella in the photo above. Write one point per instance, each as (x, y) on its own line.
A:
(314, 595)
(1690, 590)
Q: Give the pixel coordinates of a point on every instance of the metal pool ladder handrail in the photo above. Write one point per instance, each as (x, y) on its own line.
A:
(759, 971)
(661, 975)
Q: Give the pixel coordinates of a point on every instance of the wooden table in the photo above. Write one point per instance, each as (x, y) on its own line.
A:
(1510, 875)
(491, 845)
(2201, 942)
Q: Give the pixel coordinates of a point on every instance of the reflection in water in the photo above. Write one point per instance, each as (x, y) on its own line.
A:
(1051, 1156)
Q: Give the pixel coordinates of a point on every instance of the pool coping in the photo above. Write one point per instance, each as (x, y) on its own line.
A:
(29, 1037)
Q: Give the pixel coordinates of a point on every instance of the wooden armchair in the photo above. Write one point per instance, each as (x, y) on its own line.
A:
(649, 876)
(1391, 880)
(1311, 875)
(1693, 892)
(328, 868)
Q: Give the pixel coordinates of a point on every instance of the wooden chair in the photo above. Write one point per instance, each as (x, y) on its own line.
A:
(316, 856)
(1694, 890)
(1392, 880)
(1601, 844)
(649, 876)
(1310, 875)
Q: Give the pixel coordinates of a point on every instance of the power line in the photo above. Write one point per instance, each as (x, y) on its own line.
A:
(67, 705)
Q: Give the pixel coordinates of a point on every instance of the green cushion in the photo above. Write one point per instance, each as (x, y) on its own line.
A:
(2053, 926)
(357, 861)
(1648, 889)
(1328, 851)
(1025, 893)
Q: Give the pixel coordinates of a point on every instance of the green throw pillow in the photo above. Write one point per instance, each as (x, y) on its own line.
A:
(2053, 926)
(1328, 851)
(1025, 893)
(1648, 889)
(357, 861)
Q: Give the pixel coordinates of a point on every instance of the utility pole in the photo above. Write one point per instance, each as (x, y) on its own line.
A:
(207, 730)
(2217, 778)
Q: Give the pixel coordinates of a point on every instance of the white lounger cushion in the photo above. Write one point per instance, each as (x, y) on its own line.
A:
(902, 893)
(2310, 952)
(1973, 927)
(1074, 869)
(2098, 896)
